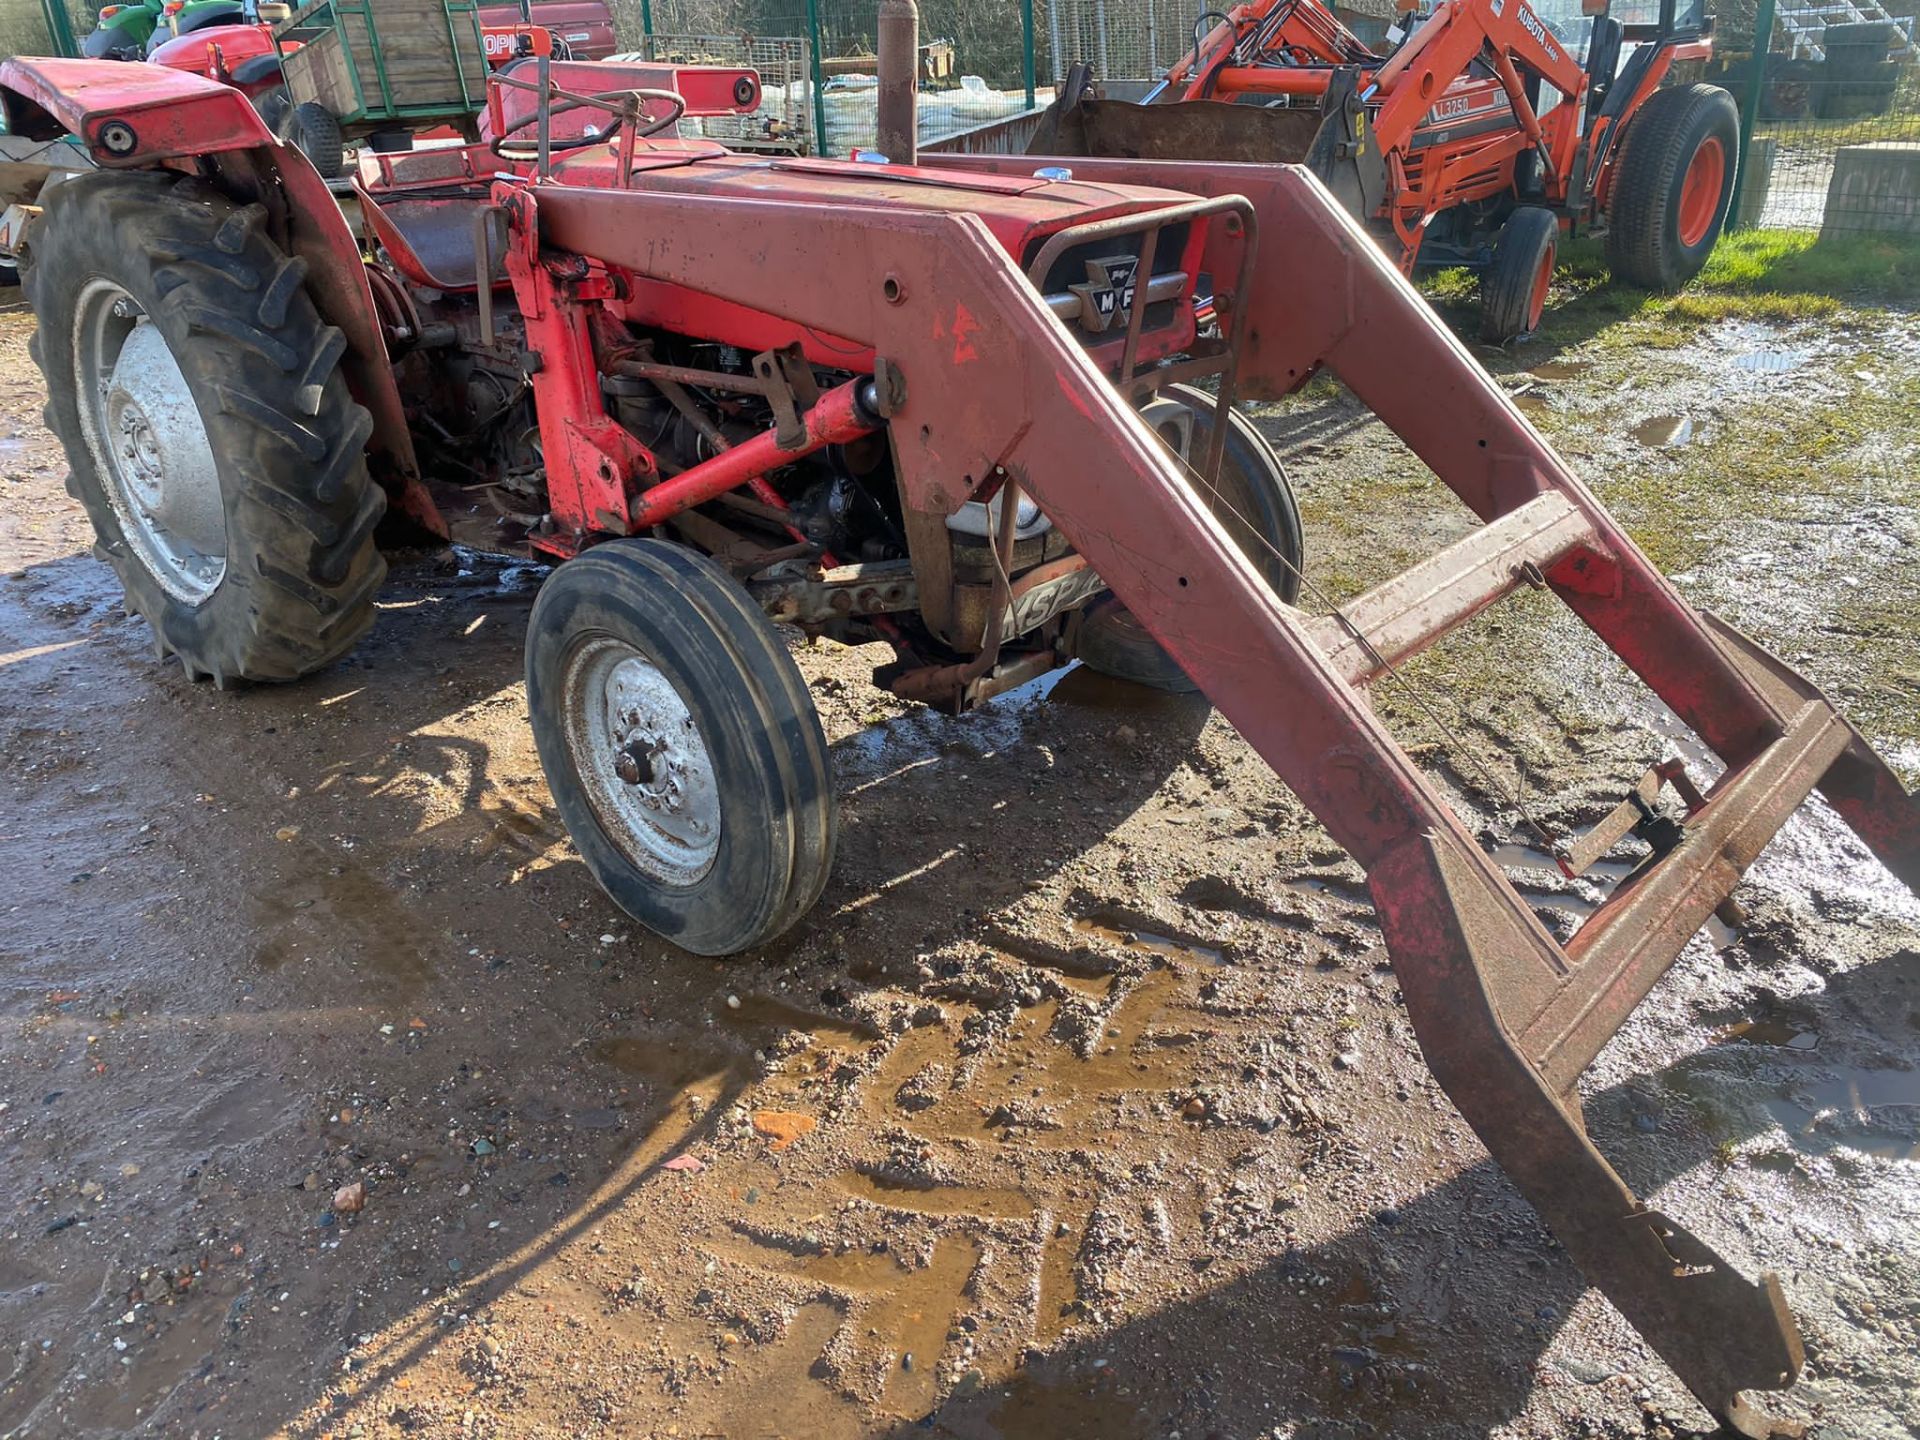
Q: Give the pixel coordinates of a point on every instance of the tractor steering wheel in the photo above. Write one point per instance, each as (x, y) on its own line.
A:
(624, 106)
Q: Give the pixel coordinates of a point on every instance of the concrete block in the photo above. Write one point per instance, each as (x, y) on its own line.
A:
(1875, 187)
(1757, 181)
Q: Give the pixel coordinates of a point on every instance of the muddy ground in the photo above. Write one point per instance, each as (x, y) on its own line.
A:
(1110, 1122)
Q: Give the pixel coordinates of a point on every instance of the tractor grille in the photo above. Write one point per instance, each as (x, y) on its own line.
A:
(1089, 286)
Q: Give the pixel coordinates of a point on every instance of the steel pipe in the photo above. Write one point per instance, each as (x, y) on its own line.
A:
(843, 413)
(898, 133)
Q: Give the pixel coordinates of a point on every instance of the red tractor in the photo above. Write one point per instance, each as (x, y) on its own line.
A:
(961, 410)
(1475, 141)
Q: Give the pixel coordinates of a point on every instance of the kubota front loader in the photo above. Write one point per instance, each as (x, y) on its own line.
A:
(1475, 141)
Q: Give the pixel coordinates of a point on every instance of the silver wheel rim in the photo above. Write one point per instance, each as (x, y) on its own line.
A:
(144, 432)
(646, 768)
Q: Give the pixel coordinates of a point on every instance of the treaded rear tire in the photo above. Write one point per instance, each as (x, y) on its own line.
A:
(1645, 246)
(263, 369)
(1254, 484)
(1513, 292)
(698, 627)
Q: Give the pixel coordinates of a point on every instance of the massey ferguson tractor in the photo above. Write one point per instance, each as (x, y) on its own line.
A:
(1474, 141)
(976, 412)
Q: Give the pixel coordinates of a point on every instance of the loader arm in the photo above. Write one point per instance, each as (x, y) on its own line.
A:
(990, 382)
(1507, 34)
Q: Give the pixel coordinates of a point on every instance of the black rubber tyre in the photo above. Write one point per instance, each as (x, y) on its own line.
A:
(1258, 509)
(318, 136)
(288, 442)
(275, 109)
(690, 622)
(1513, 291)
(1865, 37)
(1661, 232)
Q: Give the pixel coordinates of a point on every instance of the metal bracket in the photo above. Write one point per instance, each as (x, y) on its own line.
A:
(787, 381)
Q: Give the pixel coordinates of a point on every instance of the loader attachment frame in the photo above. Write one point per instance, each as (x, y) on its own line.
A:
(986, 385)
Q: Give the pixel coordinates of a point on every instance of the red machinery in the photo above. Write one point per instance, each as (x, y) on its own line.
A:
(948, 408)
(1475, 142)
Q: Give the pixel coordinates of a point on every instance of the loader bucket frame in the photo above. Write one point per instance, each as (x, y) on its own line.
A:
(986, 382)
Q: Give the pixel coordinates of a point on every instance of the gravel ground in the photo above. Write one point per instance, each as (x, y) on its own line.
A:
(335, 1100)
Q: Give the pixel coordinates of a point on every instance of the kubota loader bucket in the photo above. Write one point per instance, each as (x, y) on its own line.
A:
(1331, 141)
(1185, 130)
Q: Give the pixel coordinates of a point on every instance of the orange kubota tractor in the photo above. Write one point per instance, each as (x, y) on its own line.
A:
(1475, 141)
(959, 410)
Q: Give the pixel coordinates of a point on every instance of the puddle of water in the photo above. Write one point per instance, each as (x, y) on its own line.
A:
(1034, 1067)
(1841, 1110)
(1772, 362)
(1665, 432)
(1604, 875)
(1146, 942)
(1058, 1303)
(1080, 1407)
(1562, 369)
(904, 1313)
(1531, 402)
(1525, 857)
(765, 1012)
(1783, 1034)
(937, 1199)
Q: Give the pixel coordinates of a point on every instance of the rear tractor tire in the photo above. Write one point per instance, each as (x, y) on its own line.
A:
(1256, 506)
(680, 744)
(209, 432)
(1673, 185)
(1513, 292)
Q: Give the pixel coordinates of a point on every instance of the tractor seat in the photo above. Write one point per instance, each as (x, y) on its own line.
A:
(428, 235)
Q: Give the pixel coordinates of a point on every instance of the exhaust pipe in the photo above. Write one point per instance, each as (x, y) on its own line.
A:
(898, 136)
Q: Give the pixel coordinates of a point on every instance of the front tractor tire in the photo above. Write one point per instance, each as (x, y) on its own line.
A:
(680, 744)
(1513, 292)
(1672, 187)
(209, 432)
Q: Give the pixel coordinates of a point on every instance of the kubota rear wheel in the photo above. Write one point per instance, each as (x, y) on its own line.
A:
(211, 436)
(1513, 292)
(1255, 504)
(1672, 185)
(681, 745)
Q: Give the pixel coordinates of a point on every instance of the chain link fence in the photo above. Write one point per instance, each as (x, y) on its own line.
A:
(24, 29)
(1833, 104)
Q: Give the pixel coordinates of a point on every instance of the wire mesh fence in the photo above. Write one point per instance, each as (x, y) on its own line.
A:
(819, 69)
(24, 28)
(1833, 102)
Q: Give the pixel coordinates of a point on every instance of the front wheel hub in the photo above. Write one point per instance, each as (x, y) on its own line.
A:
(642, 760)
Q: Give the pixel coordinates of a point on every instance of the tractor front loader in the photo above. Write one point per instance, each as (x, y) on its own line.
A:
(959, 410)
(1475, 141)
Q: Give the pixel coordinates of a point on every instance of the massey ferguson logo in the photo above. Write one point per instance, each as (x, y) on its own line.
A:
(1108, 291)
